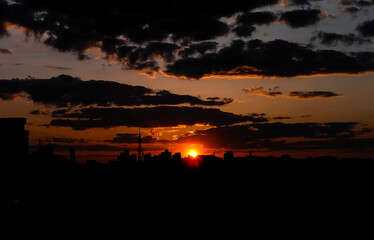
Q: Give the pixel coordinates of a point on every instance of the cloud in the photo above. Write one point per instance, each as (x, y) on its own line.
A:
(143, 58)
(297, 2)
(259, 18)
(5, 51)
(345, 145)
(64, 90)
(362, 3)
(57, 67)
(351, 9)
(282, 118)
(185, 40)
(65, 140)
(270, 94)
(301, 18)
(79, 27)
(39, 112)
(199, 48)
(269, 135)
(244, 31)
(260, 92)
(329, 39)
(131, 138)
(314, 94)
(136, 38)
(301, 95)
(149, 117)
(276, 58)
(253, 89)
(366, 28)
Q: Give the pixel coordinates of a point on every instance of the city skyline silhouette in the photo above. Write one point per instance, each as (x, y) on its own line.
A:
(170, 96)
(39, 175)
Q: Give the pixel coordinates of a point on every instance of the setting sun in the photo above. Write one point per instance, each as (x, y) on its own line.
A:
(192, 153)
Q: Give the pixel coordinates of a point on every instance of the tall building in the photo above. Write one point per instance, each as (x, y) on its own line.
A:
(14, 139)
(166, 155)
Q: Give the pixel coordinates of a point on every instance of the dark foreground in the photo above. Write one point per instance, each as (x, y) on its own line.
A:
(259, 184)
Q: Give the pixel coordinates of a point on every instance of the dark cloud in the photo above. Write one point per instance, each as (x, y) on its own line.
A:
(344, 145)
(259, 18)
(65, 91)
(135, 33)
(98, 148)
(244, 23)
(366, 28)
(351, 9)
(263, 135)
(180, 39)
(7, 96)
(86, 24)
(297, 2)
(5, 51)
(346, 2)
(200, 48)
(244, 31)
(282, 118)
(328, 39)
(314, 94)
(131, 138)
(149, 117)
(301, 95)
(65, 147)
(253, 89)
(260, 91)
(65, 140)
(270, 93)
(276, 58)
(301, 18)
(143, 58)
(39, 112)
(58, 67)
(362, 3)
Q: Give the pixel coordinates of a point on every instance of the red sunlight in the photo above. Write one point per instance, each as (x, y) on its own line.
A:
(193, 160)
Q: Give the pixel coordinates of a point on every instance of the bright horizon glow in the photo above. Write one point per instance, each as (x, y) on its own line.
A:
(192, 153)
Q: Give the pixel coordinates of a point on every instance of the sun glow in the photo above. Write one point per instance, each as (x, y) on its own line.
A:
(193, 153)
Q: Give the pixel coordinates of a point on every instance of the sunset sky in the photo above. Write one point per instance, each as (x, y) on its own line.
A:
(273, 77)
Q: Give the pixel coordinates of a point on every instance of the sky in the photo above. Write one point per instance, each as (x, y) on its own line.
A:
(272, 77)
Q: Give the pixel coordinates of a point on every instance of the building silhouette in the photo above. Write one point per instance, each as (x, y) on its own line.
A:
(125, 157)
(177, 156)
(44, 152)
(166, 155)
(229, 155)
(14, 140)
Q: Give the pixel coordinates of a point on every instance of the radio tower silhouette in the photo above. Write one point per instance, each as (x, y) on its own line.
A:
(140, 152)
